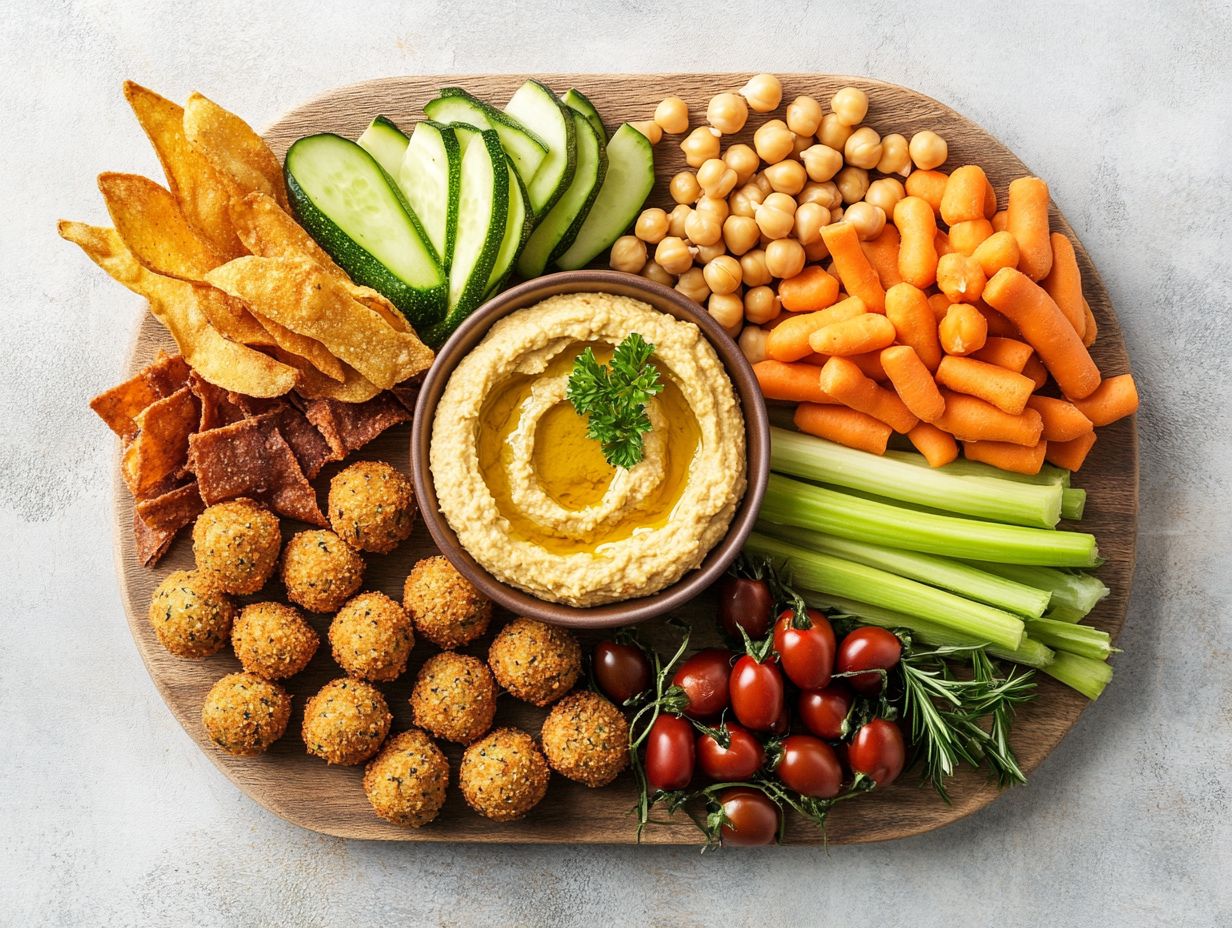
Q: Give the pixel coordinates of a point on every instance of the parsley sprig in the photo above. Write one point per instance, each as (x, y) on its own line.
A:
(613, 398)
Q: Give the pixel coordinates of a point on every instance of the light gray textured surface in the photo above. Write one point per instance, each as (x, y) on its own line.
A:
(109, 815)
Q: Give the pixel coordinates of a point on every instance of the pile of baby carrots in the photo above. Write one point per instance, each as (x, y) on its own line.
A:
(959, 323)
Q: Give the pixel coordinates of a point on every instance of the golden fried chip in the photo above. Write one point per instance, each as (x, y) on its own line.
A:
(307, 348)
(354, 388)
(175, 304)
(232, 318)
(149, 220)
(202, 191)
(232, 147)
(160, 449)
(297, 293)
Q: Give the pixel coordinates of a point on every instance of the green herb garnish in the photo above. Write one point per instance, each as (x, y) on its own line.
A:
(613, 398)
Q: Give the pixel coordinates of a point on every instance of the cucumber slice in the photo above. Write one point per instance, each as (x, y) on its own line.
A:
(536, 107)
(518, 227)
(429, 176)
(386, 143)
(630, 175)
(456, 105)
(353, 209)
(576, 100)
(556, 231)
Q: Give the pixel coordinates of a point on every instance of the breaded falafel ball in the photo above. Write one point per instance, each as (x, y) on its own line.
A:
(346, 721)
(273, 641)
(236, 545)
(244, 714)
(320, 570)
(454, 697)
(586, 738)
(535, 662)
(504, 775)
(445, 607)
(371, 637)
(371, 506)
(190, 615)
(406, 782)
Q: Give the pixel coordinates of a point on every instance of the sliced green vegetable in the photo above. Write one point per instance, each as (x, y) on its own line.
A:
(1047, 475)
(536, 107)
(1073, 503)
(576, 100)
(1082, 640)
(1071, 590)
(456, 105)
(518, 226)
(386, 143)
(1084, 674)
(430, 176)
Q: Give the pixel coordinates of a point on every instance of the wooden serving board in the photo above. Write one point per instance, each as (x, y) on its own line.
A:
(306, 791)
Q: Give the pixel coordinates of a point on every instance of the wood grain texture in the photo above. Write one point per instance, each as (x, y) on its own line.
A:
(304, 790)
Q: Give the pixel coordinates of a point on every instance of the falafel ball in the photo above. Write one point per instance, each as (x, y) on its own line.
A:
(454, 697)
(504, 775)
(406, 782)
(535, 662)
(236, 545)
(586, 738)
(371, 506)
(273, 641)
(346, 721)
(191, 615)
(371, 637)
(320, 570)
(244, 714)
(445, 607)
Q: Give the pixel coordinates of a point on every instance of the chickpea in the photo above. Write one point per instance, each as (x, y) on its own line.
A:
(727, 310)
(723, 274)
(809, 220)
(684, 187)
(672, 115)
(713, 206)
(655, 272)
(928, 150)
(826, 194)
(651, 225)
(676, 218)
(833, 132)
(628, 254)
(869, 220)
(762, 183)
(850, 105)
(692, 283)
(764, 93)
(743, 203)
(895, 157)
(821, 162)
(740, 233)
(702, 229)
(716, 178)
(700, 145)
(787, 177)
(727, 112)
(651, 129)
(673, 255)
(815, 251)
(774, 223)
(774, 141)
(799, 145)
(752, 340)
(753, 268)
(743, 160)
(784, 258)
(761, 304)
(836, 215)
(885, 193)
(707, 253)
(852, 184)
(863, 148)
(804, 116)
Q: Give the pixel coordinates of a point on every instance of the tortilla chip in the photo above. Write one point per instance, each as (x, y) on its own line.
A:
(217, 409)
(233, 148)
(310, 447)
(349, 426)
(151, 543)
(149, 220)
(172, 510)
(231, 318)
(160, 449)
(353, 388)
(201, 191)
(300, 295)
(119, 406)
(406, 394)
(311, 350)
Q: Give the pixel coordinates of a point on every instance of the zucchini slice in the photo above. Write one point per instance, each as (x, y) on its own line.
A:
(536, 107)
(518, 227)
(630, 175)
(429, 175)
(353, 209)
(386, 143)
(456, 105)
(576, 100)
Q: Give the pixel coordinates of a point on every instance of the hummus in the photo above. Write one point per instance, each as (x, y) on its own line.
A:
(532, 498)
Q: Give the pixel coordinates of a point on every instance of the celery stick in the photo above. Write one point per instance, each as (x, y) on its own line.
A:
(893, 476)
(841, 577)
(1082, 640)
(1064, 614)
(1047, 476)
(955, 576)
(792, 502)
(1070, 589)
(1084, 674)
(1073, 503)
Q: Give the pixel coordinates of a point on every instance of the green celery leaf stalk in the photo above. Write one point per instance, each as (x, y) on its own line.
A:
(1084, 674)
(1073, 503)
(1071, 590)
(1049, 475)
(1082, 640)
(1064, 614)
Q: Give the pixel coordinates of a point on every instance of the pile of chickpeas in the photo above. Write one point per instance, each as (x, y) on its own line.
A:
(749, 216)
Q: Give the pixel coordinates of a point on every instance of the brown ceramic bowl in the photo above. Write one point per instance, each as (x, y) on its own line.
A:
(664, 299)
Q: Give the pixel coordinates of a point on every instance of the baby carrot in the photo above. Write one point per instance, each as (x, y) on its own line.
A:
(1006, 390)
(1064, 282)
(1027, 221)
(912, 382)
(1004, 352)
(882, 254)
(938, 447)
(1021, 459)
(942, 244)
(1046, 329)
(963, 330)
(929, 186)
(960, 278)
(811, 289)
(857, 274)
(797, 383)
(789, 340)
(1070, 454)
(843, 425)
(940, 304)
(869, 363)
(963, 197)
(1091, 332)
(843, 380)
(867, 332)
(990, 201)
(917, 251)
(1062, 421)
(907, 308)
(1034, 368)
(970, 419)
(999, 221)
(998, 325)
(968, 236)
(1115, 398)
(997, 251)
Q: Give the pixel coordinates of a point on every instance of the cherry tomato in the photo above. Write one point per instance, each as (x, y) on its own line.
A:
(783, 723)
(741, 759)
(744, 603)
(868, 648)
(810, 767)
(756, 693)
(752, 818)
(621, 670)
(703, 677)
(669, 753)
(823, 711)
(878, 752)
(807, 654)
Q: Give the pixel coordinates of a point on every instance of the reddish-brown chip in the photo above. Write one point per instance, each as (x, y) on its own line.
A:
(217, 409)
(406, 393)
(311, 449)
(156, 521)
(151, 543)
(119, 406)
(349, 426)
(160, 449)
